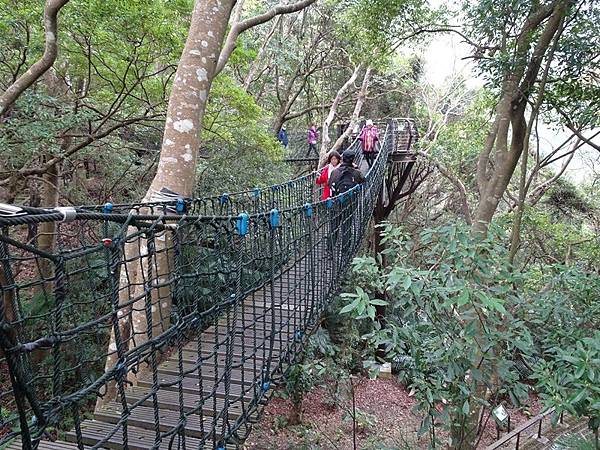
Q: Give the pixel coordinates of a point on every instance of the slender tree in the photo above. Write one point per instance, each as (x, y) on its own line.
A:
(10, 95)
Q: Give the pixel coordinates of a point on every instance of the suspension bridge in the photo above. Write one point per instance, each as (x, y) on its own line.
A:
(168, 324)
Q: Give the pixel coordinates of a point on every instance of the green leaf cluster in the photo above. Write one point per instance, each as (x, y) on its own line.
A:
(460, 317)
(570, 380)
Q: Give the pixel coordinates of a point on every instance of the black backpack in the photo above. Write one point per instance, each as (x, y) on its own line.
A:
(345, 180)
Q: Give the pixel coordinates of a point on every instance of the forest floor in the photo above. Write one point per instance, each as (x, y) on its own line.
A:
(385, 416)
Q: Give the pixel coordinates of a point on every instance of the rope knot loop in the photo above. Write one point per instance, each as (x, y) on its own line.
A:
(242, 224)
(308, 210)
(274, 218)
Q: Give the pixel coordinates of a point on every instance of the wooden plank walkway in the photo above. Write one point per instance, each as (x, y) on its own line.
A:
(157, 407)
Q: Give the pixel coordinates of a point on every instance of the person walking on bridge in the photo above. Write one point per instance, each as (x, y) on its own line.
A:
(368, 139)
(313, 138)
(344, 178)
(282, 137)
(333, 161)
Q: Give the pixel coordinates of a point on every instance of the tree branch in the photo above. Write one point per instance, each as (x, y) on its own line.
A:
(25, 172)
(577, 132)
(252, 73)
(460, 187)
(332, 112)
(244, 25)
(537, 193)
(43, 64)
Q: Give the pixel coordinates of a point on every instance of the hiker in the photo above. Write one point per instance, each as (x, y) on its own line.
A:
(346, 175)
(333, 161)
(355, 131)
(313, 137)
(368, 139)
(282, 137)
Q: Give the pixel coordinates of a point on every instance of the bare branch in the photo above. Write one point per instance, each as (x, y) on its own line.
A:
(332, 112)
(43, 64)
(254, 67)
(460, 187)
(537, 193)
(362, 94)
(25, 172)
(244, 25)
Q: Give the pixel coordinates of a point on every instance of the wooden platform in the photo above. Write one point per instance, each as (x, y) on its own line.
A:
(205, 403)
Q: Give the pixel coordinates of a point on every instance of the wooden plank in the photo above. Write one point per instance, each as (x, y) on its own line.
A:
(249, 341)
(191, 357)
(94, 431)
(253, 335)
(218, 359)
(191, 385)
(170, 400)
(142, 417)
(44, 445)
(207, 373)
(190, 352)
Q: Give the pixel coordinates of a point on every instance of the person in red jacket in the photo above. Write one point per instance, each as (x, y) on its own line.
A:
(333, 160)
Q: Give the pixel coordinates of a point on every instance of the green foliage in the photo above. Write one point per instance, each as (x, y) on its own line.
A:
(576, 90)
(452, 302)
(563, 307)
(300, 379)
(363, 421)
(574, 442)
(459, 315)
(570, 379)
(241, 151)
(495, 26)
(112, 69)
(319, 366)
(361, 305)
(551, 239)
(375, 27)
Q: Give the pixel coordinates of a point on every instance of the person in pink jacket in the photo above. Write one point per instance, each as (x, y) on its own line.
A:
(333, 160)
(368, 139)
(312, 138)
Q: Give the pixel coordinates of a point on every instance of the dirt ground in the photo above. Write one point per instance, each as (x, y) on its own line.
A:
(386, 421)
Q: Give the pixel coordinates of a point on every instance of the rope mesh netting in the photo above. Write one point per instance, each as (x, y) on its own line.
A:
(175, 316)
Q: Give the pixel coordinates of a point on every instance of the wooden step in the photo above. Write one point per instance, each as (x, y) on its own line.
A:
(191, 357)
(170, 400)
(94, 431)
(249, 341)
(190, 352)
(44, 445)
(218, 359)
(143, 417)
(191, 385)
(208, 372)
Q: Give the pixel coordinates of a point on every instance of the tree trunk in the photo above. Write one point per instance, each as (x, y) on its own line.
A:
(362, 95)
(295, 416)
(47, 230)
(509, 121)
(510, 111)
(331, 115)
(177, 172)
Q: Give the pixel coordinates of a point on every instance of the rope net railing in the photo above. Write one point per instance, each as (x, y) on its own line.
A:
(170, 324)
